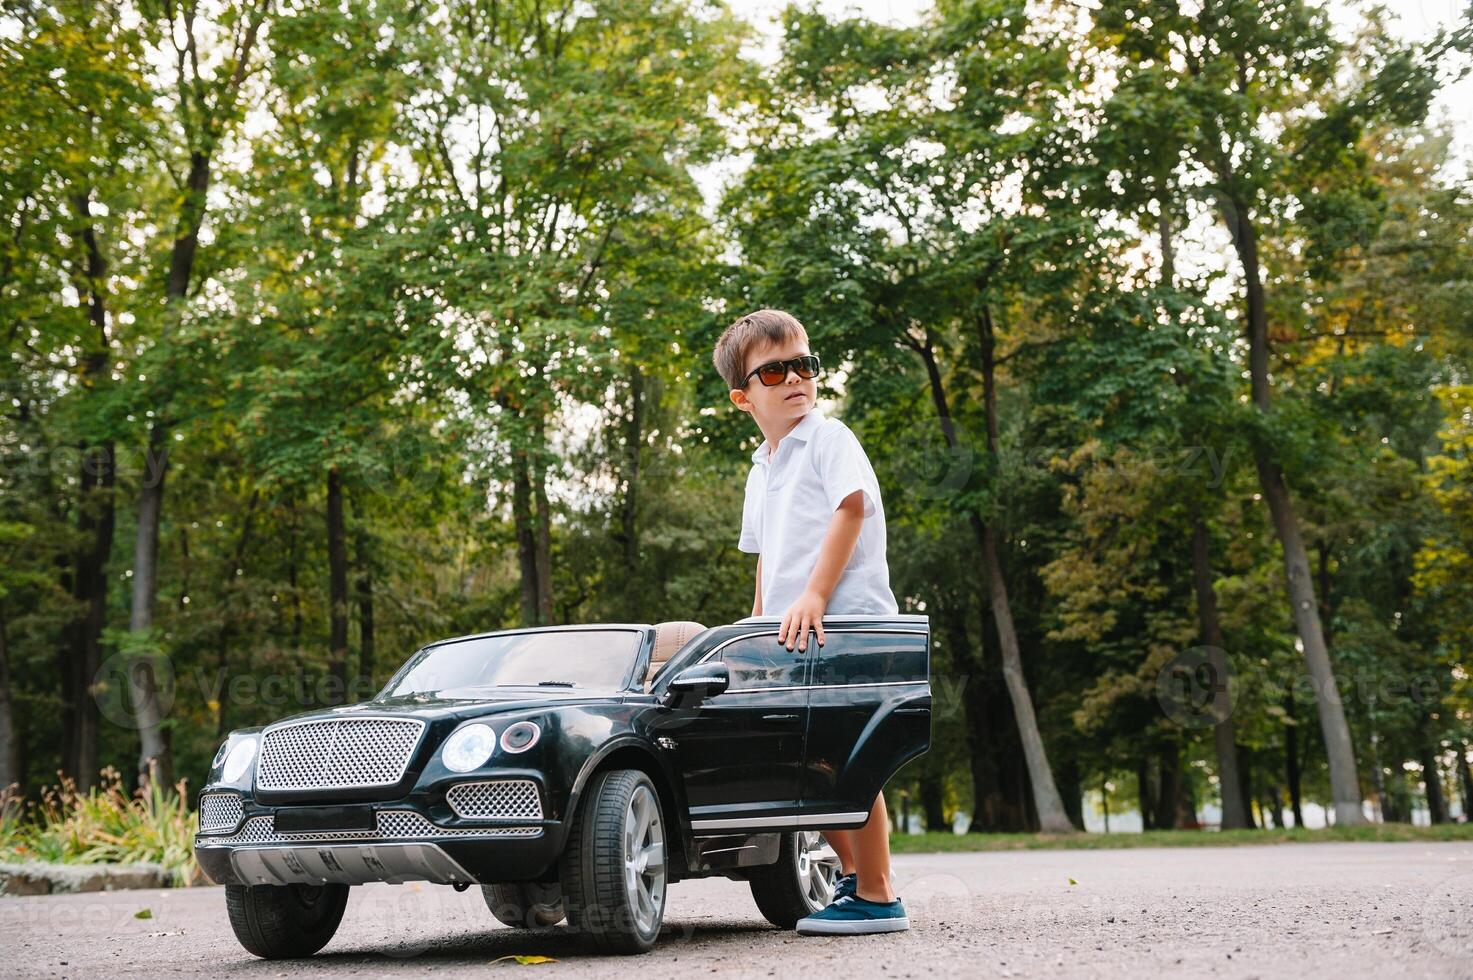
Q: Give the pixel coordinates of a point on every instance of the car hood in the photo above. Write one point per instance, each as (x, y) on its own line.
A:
(460, 703)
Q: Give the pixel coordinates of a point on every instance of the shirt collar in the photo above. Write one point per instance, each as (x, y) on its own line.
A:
(802, 432)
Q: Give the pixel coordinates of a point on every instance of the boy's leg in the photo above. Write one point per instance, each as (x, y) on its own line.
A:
(842, 841)
(871, 850)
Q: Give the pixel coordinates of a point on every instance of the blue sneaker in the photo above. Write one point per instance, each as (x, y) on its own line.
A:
(855, 916)
(845, 885)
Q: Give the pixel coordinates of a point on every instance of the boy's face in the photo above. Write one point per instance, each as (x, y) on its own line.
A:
(785, 402)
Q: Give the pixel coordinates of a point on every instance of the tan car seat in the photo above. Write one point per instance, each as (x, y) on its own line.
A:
(669, 637)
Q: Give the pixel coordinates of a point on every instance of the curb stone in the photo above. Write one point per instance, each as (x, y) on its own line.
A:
(40, 878)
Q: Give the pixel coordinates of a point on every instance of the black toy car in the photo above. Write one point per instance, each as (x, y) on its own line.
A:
(572, 771)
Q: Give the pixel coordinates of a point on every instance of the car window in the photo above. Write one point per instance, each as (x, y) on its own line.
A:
(871, 658)
(556, 659)
(761, 661)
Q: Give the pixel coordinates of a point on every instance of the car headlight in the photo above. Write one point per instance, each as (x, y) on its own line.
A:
(521, 736)
(468, 748)
(239, 760)
(220, 754)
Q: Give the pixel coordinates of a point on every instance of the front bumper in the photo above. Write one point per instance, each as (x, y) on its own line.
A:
(404, 845)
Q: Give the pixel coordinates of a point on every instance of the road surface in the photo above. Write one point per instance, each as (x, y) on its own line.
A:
(1374, 910)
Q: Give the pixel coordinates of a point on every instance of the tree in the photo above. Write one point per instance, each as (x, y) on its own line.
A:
(1274, 145)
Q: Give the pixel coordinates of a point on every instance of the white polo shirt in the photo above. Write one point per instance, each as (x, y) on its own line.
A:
(790, 500)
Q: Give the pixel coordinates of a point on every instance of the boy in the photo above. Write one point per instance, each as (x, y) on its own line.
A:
(811, 482)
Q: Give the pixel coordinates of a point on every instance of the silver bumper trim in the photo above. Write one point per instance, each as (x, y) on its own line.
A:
(348, 864)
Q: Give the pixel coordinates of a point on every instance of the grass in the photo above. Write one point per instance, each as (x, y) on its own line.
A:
(105, 825)
(932, 842)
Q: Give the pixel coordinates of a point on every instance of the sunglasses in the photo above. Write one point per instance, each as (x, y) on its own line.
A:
(776, 372)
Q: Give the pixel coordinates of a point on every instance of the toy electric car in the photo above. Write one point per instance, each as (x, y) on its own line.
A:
(572, 772)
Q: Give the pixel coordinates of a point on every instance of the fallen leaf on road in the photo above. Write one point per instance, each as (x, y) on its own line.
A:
(526, 960)
(143, 914)
(1073, 882)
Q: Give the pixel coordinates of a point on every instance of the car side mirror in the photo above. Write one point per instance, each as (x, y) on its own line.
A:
(698, 682)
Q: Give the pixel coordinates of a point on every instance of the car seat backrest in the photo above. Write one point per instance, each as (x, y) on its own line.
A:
(669, 637)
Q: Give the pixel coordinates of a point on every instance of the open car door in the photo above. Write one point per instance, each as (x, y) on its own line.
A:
(869, 713)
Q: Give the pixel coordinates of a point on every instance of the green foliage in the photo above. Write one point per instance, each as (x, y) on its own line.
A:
(105, 825)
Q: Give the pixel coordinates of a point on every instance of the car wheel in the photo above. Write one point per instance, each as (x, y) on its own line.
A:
(285, 921)
(800, 883)
(525, 904)
(613, 868)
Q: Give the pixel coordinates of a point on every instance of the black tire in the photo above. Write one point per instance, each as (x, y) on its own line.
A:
(786, 891)
(277, 922)
(525, 904)
(592, 868)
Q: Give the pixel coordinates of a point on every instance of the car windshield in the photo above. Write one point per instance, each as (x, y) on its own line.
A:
(556, 660)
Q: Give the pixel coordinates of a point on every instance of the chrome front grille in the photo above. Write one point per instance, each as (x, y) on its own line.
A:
(509, 798)
(218, 812)
(392, 825)
(337, 753)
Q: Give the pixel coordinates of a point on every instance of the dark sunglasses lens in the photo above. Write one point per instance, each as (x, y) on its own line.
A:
(807, 366)
(772, 374)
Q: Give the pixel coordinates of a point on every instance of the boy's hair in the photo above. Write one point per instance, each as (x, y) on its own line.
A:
(752, 330)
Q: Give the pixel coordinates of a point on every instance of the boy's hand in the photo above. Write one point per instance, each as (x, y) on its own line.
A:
(803, 615)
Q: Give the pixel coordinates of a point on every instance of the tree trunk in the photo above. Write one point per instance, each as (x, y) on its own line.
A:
(521, 507)
(1168, 796)
(366, 653)
(933, 796)
(1047, 803)
(154, 758)
(1052, 817)
(1224, 739)
(1432, 780)
(543, 526)
(337, 589)
(228, 613)
(1145, 792)
(1465, 783)
(1291, 758)
(96, 519)
(1245, 786)
(629, 505)
(991, 737)
(1344, 779)
(1071, 788)
(10, 754)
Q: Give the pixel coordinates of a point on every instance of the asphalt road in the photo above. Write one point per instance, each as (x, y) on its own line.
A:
(1376, 910)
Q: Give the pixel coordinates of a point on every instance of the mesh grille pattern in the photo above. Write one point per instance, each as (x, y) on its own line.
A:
(337, 753)
(392, 825)
(218, 812)
(508, 798)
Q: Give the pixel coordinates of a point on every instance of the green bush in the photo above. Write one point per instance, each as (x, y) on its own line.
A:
(105, 825)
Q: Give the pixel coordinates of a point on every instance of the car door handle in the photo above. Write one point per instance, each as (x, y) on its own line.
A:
(912, 711)
(779, 717)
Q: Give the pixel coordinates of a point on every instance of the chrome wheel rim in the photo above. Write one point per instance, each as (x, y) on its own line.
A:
(644, 859)
(818, 869)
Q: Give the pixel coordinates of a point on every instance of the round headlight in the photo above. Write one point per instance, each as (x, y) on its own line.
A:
(220, 754)
(239, 760)
(468, 748)
(521, 736)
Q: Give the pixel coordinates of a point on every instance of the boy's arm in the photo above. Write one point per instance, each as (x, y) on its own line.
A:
(833, 555)
(757, 599)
